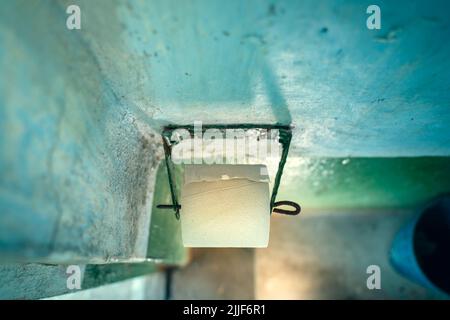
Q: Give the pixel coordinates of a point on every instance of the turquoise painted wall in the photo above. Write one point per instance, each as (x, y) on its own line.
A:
(75, 164)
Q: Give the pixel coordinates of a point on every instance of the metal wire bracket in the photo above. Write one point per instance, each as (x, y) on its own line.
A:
(285, 136)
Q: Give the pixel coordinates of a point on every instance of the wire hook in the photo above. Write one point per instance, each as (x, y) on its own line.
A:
(292, 204)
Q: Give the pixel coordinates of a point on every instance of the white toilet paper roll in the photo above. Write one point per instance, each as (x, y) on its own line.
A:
(225, 206)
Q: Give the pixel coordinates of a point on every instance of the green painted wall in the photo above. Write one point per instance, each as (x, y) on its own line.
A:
(365, 182)
(165, 244)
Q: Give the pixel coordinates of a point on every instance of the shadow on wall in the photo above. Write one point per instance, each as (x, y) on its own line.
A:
(213, 64)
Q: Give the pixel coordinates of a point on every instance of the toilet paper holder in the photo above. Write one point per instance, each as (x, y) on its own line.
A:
(285, 136)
